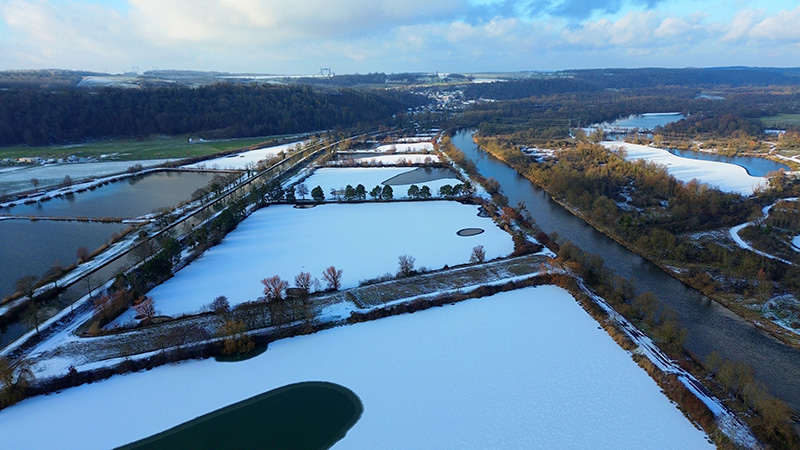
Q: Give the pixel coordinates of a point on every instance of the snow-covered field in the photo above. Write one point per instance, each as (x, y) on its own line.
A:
(339, 178)
(20, 179)
(394, 159)
(406, 147)
(727, 177)
(241, 161)
(521, 369)
(363, 240)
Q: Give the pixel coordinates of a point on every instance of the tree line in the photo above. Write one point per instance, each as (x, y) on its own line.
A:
(43, 117)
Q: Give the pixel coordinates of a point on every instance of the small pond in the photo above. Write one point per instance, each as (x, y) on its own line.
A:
(646, 121)
(421, 175)
(309, 415)
(131, 197)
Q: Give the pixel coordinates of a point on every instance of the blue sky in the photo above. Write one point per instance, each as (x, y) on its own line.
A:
(300, 36)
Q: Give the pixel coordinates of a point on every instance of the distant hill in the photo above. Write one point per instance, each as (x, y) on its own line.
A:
(601, 79)
(223, 110)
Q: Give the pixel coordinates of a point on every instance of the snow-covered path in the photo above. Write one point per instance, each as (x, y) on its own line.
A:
(734, 233)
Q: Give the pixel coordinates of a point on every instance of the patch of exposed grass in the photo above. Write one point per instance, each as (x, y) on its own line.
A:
(781, 121)
(157, 147)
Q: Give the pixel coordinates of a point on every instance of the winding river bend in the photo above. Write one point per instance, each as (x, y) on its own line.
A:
(710, 326)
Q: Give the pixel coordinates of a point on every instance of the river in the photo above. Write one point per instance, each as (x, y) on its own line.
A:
(710, 325)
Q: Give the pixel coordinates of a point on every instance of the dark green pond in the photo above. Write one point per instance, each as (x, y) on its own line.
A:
(309, 415)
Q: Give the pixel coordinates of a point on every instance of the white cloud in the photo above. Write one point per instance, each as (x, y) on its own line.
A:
(782, 27)
(277, 21)
(42, 32)
(378, 35)
(635, 29)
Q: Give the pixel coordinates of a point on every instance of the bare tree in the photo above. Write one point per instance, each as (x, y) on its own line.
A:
(406, 265)
(27, 285)
(274, 287)
(478, 254)
(333, 277)
(302, 190)
(220, 305)
(35, 183)
(146, 309)
(303, 281)
(82, 253)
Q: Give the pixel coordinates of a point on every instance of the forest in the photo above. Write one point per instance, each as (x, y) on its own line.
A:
(60, 116)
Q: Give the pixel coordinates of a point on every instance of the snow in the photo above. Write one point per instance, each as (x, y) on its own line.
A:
(521, 369)
(339, 178)
(17, 180)
(727, 177)
(241, 161)
(796, 243)
(363, 240)
(406, 147)
(393, 159)
(415, 139)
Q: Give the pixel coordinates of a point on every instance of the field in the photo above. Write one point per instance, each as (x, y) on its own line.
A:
(363, 240)
(388, 159)
(134, 149)
(339, 178)
(726, 177)
(243, 160)
(521, 369)
(406, 147)
(781, 121)
(18, 178)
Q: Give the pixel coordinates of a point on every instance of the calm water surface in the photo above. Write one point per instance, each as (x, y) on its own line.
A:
(31, 248)
(131, 197)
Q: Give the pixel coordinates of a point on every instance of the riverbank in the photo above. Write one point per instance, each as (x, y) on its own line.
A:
(674, 270)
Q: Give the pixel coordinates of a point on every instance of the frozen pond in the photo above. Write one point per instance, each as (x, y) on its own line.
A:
(757, 167)
(17, 179)
(518, 370)
(644, 122)
(243, 160)
(131, 197)
(726, 177)
(364, 240)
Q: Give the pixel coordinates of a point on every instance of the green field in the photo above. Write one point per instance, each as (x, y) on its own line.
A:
(781, 121)
(159, 147)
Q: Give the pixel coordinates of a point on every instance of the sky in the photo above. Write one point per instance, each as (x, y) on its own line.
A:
(391, 36)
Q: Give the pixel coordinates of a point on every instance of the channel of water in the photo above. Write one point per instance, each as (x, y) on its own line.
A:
(710, 325)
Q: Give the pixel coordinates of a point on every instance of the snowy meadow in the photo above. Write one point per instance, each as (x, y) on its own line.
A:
(243, 160)
(520, 369)
(363, 240)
